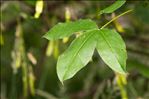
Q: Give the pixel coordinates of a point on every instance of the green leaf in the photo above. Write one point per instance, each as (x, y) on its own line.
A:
(113, 7)
(112, 49)
(109, 45)
(62, 30)
(76, 56)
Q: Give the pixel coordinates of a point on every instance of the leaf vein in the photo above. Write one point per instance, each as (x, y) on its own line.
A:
(77, 52)
(113, 51)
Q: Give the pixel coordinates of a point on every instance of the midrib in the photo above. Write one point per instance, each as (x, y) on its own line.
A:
(110, 47)
(78, 52)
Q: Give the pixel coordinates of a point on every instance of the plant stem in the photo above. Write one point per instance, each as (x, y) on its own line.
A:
(121, 82)
(116, 18)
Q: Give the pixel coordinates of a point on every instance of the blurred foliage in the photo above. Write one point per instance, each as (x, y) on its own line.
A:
(36, 57)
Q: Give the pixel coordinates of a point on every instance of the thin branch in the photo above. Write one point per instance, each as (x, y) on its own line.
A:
(115, 18)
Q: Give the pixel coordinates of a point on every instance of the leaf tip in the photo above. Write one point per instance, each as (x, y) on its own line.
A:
(44, 36)
(62, 83)
(101, 12)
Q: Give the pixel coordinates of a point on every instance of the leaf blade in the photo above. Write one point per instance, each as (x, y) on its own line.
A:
(117, 4)
(76, 56)
(112, 50)
(62, 30)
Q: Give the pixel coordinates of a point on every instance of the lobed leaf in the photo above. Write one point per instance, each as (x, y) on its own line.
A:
(112, 49)
(109, 45)
(113, 7)
(62, 30)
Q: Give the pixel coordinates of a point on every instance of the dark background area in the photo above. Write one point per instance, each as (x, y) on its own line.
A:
(28, 61)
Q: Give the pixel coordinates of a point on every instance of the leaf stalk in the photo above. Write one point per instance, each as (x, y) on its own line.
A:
(116, 18)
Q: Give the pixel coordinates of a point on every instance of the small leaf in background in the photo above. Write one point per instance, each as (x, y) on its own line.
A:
(118, 25)
(38, 8)
(62, 30)
(76, 56)
(50, 48)
(17, 50)
(67, 18)
(113, 7)
(67, 14)
(65, 39)
(112, 49)
(19, 57)
(32, 58)
(17, 63)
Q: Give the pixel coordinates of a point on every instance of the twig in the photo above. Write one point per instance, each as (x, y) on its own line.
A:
(115, 18)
